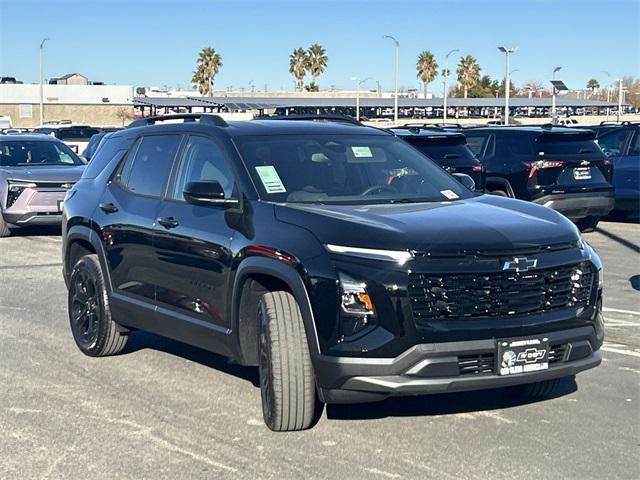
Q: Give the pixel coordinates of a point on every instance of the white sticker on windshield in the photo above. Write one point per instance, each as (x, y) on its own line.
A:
(450, 194)
(270, 179)
(360, 152)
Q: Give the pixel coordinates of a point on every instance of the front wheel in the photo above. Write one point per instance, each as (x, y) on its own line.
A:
(95, 332)
(287, 381)
(587, 224)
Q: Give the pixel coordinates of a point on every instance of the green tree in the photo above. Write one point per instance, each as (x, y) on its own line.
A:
(207, 67)
(427, 69)
(593, 85)
(317, 63)
(468, 73)
(298, 65)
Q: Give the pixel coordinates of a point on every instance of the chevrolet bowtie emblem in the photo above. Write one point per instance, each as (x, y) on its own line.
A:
(519, 264)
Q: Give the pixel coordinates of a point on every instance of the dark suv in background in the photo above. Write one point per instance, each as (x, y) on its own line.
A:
(621, 142)
(558, 167)
(448, 149)
(330, 255)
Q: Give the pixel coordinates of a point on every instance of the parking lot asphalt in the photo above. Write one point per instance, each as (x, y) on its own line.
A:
(166, 410)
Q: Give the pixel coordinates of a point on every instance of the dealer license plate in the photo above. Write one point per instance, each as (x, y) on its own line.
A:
(522, 355)
(582, 173)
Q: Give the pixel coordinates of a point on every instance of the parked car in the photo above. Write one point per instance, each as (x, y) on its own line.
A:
(558, 167)
(283, 245)
(567, 122)
(75, 136)
(36, 171)
(94, 143)
(448, 149)
(622, 144)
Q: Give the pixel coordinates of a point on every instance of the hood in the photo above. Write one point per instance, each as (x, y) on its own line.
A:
(71, 173)
(483, 223)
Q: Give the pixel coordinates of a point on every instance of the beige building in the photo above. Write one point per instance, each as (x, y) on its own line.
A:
(70, 79)
(99, 105)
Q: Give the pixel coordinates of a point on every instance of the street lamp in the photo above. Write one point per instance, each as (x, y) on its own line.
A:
(252, 86)
(359, 81)
(507, 81)
(608, 91)
(553, 96)
(395, 78)
(620, 94)
(446, 75)
(42, 80)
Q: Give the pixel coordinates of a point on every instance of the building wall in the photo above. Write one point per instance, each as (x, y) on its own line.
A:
(65, 94)
(97, 115)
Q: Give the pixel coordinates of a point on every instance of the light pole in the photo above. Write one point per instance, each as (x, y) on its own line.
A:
(359, 81)
(506, 51)
(553, 96)
(395, 78)
(42, 80)
(620, 93)
(608, 90)
(252, 85)
(446, 76)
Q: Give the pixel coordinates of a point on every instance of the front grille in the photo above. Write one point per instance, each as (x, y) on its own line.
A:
(556, 353)
(476, 364)
(499, 294)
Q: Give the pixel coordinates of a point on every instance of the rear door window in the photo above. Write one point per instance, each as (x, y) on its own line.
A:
(481, 144)
(151, 164)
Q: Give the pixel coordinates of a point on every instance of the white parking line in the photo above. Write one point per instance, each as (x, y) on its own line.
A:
(630, 353)
(617, 310)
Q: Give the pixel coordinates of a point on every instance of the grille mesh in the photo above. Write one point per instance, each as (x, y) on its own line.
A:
(499, 294)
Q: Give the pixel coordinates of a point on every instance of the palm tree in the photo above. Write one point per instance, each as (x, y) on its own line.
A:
(298, 64)
(468, 73)
(427, 68)
(593, 85)
(208, 66)
(317, 62)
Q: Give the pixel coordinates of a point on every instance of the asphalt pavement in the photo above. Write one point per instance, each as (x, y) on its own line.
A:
(164, 410)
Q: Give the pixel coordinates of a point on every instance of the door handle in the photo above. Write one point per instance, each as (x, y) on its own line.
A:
(168, 222)
(108, 207)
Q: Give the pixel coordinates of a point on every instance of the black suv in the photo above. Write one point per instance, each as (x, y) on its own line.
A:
(448, 149)
(334, 257)
(621, 142)
(558, 167)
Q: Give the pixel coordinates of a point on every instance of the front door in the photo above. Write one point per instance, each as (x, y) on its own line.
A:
(192, 242)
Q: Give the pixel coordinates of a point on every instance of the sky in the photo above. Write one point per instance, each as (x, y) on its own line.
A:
(144, 43)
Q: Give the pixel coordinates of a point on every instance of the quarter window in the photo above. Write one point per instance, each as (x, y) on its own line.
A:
(612, 142)
(151, 164)
(202, 160)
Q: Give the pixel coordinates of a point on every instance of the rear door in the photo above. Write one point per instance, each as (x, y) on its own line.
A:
(127, 211)
(623, 146)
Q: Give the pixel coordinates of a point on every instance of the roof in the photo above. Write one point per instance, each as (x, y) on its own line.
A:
(69, 75)
(424, 132)
(33, 137)
(529, 128)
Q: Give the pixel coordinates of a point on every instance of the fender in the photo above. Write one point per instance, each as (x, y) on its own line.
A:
(288, 275)
(500, 181)
(83, 232)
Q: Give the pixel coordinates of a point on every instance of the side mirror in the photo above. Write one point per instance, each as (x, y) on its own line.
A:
(465, 180)
(208, 192)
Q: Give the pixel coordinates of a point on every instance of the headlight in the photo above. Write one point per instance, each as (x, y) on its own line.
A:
(600, 277)
(356, 307)
(398, 256)
(15, 189)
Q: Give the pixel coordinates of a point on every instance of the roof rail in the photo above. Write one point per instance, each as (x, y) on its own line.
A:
(313, 117)
(203, 118)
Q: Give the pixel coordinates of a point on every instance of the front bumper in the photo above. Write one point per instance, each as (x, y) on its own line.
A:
(579, 205)
(448, 367)
(33, 218)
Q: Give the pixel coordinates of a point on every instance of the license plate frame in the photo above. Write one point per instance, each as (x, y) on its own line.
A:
(515, 356)
(582, 173)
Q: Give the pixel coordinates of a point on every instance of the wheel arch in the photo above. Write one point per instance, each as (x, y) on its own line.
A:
(254, 276)
(78, 240)
(502, 182)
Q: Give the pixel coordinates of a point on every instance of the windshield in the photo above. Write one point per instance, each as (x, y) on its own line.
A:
(20, 153)
(443, 149)
(344, 169)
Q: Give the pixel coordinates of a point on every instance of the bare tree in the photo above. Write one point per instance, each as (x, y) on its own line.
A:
(123, 114)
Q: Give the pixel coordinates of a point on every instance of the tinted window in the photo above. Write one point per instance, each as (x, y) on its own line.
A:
(202, 160)
(76, 133)
(476, 143)
(566, 144)
(442, 149)
(517, 143)
(152, 163)
(17, 153)
(612, 142)
(635, 148)
(344, 169)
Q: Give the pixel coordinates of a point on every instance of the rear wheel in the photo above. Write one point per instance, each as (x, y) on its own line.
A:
(499, 193)
(93, 328)
(587, 224)
(287, 382)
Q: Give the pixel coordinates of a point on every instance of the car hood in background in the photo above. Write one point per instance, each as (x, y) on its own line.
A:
(65, 173)
(483, 223)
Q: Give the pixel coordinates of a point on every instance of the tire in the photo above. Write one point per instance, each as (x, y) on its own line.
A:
(587, 224)
(536, 390)
(93, 328)
(4, 228)
(287, 382)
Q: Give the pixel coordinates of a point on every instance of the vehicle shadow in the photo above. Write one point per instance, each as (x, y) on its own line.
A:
(39, 231)
(139, 340)
(441, 404)
(616, 238)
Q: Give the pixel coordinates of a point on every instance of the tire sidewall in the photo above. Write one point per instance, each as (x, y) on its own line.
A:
(265, 366)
